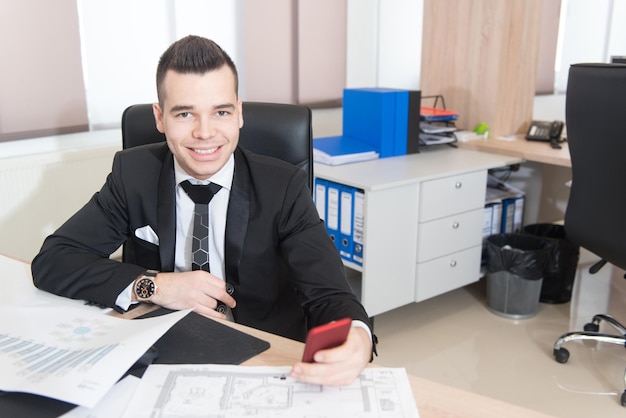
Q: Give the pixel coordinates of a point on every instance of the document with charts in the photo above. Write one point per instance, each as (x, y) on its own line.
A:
(259, 392)
(72, 354)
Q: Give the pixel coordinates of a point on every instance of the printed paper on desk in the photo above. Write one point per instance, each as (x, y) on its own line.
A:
(72, 354)
(201, 390)
(112, 405)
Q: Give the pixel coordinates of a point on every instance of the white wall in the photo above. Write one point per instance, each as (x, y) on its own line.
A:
(121, 44)
(591, 31)
(400, 43)
(122, 41)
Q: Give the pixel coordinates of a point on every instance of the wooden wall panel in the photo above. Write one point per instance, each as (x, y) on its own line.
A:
(482, 56)
(550, 16)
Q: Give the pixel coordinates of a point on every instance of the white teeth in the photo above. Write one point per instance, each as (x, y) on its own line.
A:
(205, 151)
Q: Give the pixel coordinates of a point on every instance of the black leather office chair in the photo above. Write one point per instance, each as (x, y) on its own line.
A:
(596, 212)
(282, 131)
(279, 130)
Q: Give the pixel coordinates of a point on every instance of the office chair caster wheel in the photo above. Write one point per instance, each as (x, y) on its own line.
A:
(591, 327)
(561, 355)
(623, 398)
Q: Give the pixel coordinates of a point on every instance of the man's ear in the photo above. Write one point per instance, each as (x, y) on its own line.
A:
(158, 117)
(240, 106)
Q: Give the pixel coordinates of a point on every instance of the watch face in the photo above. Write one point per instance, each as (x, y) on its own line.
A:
(144, 288)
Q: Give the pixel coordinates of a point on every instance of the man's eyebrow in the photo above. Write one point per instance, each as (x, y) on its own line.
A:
(224, 106)
(180, 108)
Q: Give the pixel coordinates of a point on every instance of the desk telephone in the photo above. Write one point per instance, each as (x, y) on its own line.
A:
(546, 131)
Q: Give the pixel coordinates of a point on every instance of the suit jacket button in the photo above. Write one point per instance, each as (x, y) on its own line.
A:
(230, 289)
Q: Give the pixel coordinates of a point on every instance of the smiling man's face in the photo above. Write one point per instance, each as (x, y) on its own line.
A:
(201, 118)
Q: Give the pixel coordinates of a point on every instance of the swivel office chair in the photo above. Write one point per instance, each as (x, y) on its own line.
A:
(281, 131)
(596, 212)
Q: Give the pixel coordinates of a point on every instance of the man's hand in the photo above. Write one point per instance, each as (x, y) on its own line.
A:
(198, 290)
(337, 366)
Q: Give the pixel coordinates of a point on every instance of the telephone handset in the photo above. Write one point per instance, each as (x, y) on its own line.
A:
(546, 131)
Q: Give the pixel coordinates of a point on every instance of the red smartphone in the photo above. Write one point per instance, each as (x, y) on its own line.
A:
(325, 336)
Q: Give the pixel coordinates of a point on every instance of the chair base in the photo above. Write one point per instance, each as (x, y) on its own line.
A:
(591, 333)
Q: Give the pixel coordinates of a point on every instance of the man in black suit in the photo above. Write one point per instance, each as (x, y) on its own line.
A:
(272, 263)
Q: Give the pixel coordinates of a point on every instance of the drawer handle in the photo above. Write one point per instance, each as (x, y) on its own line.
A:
(455, 225)
(458, 185)
(453, 263)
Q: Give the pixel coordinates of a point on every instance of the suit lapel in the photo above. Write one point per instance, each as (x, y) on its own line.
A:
(237, 218)
(166, 213)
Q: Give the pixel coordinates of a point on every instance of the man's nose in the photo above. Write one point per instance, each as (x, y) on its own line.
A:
(204, 128)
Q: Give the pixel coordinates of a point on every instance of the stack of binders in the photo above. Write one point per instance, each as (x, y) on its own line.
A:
(342, 208)
(381, 117)
(377, 123)
(504, 208)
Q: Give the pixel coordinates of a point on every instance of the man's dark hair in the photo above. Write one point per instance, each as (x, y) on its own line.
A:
(193, 55)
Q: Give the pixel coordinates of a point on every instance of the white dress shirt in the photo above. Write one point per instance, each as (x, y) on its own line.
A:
(184, 225)
(217, 218)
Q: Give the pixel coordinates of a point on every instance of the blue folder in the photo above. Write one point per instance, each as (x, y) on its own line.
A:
(378, 117)
(346, 220)
(335, 150)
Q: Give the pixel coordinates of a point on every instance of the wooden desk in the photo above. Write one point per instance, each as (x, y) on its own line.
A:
(433, 399)
(543, 178)
(536, 151)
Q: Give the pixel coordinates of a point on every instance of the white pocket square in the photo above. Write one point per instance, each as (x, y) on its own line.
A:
(147, 234)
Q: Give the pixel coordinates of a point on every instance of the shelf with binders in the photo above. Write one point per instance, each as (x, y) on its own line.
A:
(504, 210)
(409, 202)
(341, 207)
(437, 124)
(379, 269)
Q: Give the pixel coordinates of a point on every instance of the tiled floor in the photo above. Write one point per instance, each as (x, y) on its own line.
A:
(456, 340)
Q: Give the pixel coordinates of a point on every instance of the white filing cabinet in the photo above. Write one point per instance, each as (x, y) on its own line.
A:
(449, 233)
(423, 223)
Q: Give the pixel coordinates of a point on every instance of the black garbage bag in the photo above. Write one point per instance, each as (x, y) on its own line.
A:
(515, 269)
(562, 263)
(522, 255)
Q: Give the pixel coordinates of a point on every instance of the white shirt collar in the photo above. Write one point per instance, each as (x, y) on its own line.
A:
(224, 177)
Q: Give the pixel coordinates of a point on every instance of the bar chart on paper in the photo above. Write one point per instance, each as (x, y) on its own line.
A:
(71, 354)
(35, 360)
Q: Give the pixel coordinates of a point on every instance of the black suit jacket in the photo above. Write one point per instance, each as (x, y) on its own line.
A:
(286, 271)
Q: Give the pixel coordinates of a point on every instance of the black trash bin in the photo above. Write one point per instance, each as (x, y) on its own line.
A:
(515, 268)
(558, 279)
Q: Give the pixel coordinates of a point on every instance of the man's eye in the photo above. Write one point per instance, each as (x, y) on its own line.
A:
(184, 115)
(222, 113)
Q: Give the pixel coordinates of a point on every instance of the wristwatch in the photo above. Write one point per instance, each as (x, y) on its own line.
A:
(145, 287)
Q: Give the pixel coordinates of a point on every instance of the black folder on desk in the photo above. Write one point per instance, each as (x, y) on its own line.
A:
(199, 340)
(192, 340)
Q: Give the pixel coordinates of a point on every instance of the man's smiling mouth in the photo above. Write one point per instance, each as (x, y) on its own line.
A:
(205, 151)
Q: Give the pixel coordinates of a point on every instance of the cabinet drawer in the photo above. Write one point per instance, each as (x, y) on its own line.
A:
(454, 194)
(447, 273)
(449, 235)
